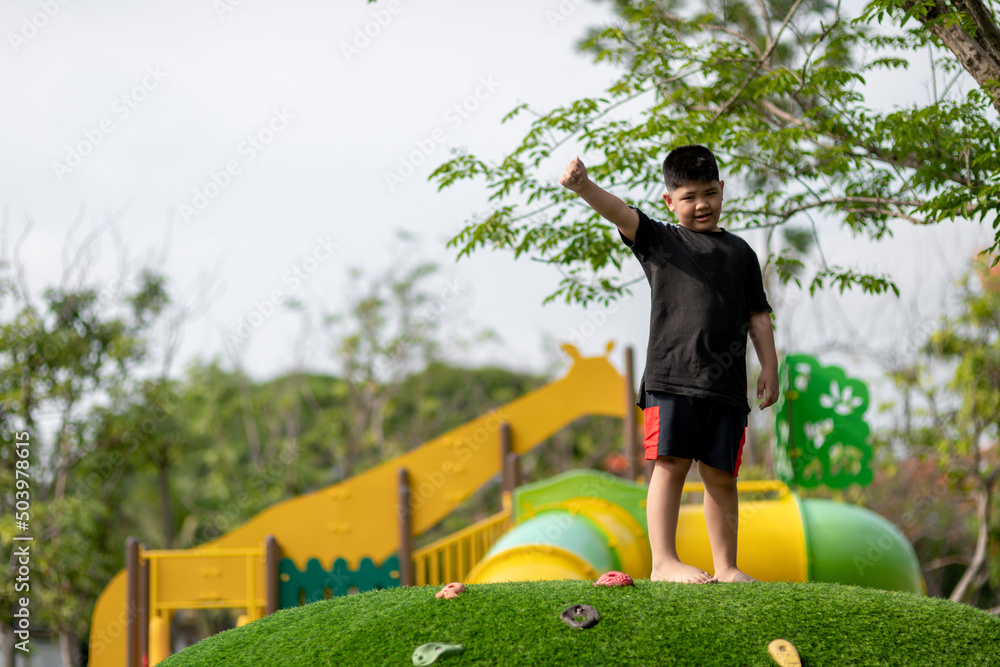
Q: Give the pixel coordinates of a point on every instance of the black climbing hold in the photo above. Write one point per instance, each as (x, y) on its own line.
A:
(581, 616)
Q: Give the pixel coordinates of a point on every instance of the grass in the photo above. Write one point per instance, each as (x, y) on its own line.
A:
(649, 624)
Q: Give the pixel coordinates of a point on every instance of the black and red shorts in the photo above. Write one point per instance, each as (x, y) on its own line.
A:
(694, 428)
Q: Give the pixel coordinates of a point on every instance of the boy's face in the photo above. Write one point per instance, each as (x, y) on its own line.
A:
(697, 205)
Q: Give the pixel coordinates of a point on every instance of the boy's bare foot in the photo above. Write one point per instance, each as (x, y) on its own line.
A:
(735, 576)
(681, 573)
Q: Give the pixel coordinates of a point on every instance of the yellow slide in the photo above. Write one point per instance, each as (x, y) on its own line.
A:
(357, 518)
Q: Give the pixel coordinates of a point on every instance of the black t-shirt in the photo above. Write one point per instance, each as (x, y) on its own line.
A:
(704, 287)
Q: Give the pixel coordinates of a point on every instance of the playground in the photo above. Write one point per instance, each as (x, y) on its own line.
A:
(296, 565)
(845, 581)
(514, 624)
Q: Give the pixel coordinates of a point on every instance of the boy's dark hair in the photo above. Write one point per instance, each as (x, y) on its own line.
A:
(689, 164)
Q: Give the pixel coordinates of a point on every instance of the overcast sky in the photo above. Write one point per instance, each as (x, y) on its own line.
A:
(263, 149)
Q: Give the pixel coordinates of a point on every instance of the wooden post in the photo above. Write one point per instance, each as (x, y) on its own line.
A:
(512, 470)
(405, 508)
(634, 469)
(506, 485)
(272, 556)
(131, 602)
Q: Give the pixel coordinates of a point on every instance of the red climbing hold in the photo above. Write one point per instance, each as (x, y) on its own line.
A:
(614, 578)
(451, 591)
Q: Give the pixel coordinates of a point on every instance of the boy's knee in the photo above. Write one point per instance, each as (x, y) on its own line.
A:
(716, 478)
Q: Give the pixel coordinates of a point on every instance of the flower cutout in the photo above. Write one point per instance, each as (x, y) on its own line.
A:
(802, 375)
(843, 402)
(816, 432)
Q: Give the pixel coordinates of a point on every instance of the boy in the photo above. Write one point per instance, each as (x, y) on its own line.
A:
(707, 294)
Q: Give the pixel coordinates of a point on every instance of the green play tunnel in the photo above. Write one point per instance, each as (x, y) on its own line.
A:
(552, 545)
(577, 525)
(583, 523)
(848, 544)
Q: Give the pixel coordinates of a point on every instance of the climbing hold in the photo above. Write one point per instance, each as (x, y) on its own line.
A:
(426, 654)
(784, 653)
(614, 578)
(451, 591)
(581, 616)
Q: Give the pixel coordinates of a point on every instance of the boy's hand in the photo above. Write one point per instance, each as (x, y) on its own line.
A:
(608, 206)
(575, 176)
(767, 387)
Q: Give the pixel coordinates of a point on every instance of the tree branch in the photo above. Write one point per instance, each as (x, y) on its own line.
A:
(673, 18)
(987, 33)
(984, 497)
(945, 561)
(888, 212)
(763, 59)
(874, 152)
(786, 214)
(980, 59)
(767, 20)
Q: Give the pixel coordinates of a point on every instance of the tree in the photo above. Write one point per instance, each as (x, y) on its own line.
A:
(939, 464)
(771, 87)
(970, 446)
(71, 357)
(59, 358)
(388, 331)
(967, 28)
(441, 397)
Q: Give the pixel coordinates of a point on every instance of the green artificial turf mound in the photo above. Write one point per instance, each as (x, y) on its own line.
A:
(519, 624)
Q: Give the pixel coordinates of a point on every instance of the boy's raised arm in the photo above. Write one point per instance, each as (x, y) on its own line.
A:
(610, 207)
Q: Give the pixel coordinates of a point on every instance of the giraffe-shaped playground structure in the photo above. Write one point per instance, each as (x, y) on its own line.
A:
(357, 519)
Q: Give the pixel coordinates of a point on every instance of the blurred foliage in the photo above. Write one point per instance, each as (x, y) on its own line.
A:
(121, 450)
(775, 89)
(60, 358)
(940, 464)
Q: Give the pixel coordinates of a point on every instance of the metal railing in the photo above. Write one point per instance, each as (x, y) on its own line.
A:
(452, 558)
(750, 486)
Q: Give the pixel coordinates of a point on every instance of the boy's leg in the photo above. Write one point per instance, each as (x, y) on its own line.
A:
(663, 504)
(722, 521)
